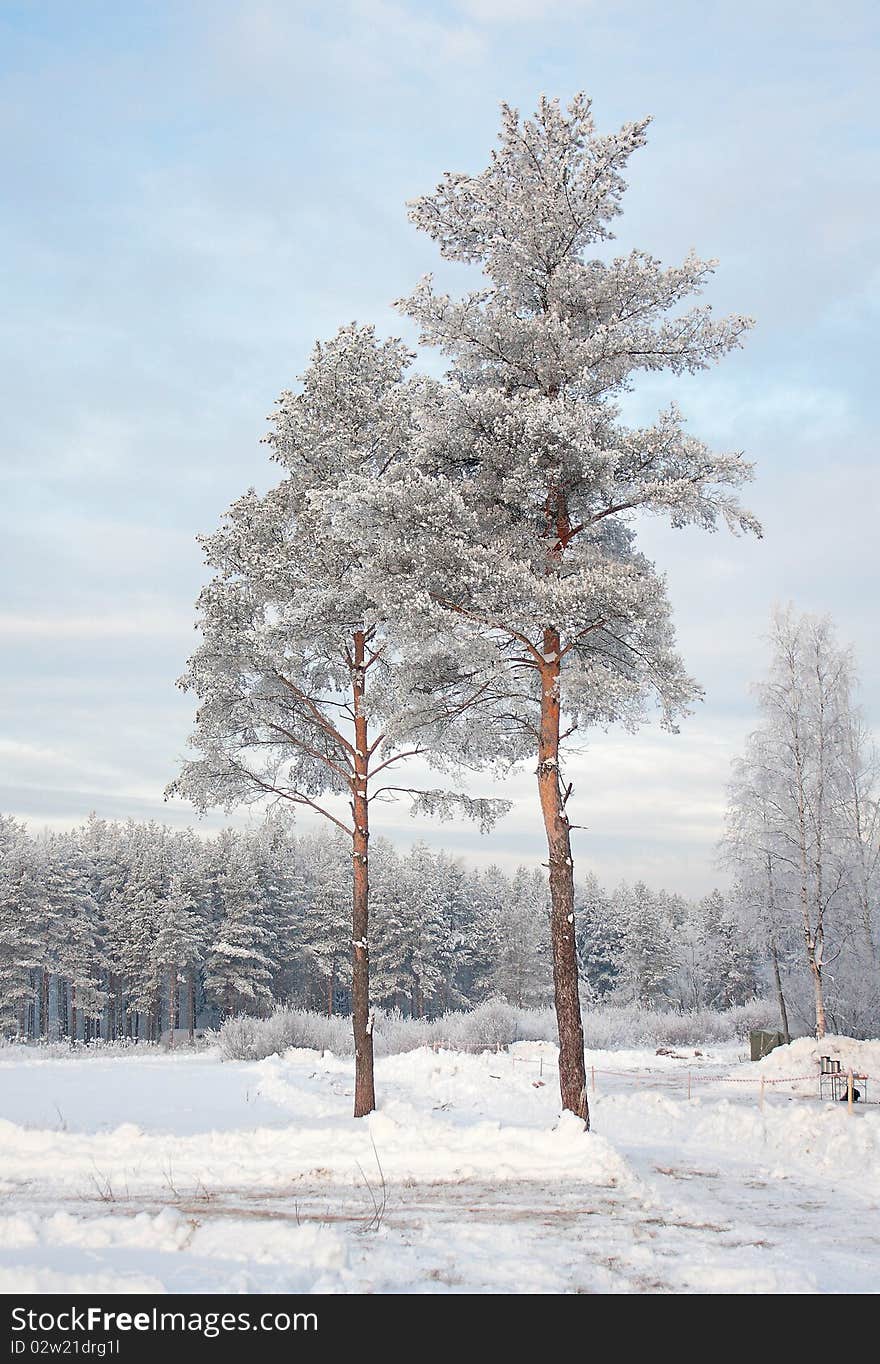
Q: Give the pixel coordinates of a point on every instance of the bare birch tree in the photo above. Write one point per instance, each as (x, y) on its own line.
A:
(799, 802)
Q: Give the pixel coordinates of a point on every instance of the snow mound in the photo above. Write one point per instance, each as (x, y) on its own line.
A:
(791, 1135)
(801, 1057)
(313, 1258)
(396, 1143)
(21, 1279)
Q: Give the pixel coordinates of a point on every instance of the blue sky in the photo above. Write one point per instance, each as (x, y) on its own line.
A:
(195, 192)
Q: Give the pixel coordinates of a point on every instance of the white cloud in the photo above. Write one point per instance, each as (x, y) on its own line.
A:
(517, 11)
(369, 40)
(132, 624)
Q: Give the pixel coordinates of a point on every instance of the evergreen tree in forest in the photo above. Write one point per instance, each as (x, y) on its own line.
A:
(238, 967)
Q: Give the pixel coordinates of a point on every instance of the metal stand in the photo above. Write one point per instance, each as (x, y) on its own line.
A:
(833, 1081)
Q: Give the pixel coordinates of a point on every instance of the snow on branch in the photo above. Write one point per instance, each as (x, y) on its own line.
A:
(448, 805)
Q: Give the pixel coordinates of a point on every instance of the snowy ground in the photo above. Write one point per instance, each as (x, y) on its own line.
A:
(184, 1172)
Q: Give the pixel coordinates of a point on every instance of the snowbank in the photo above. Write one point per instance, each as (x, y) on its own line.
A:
(314, 1257)
(397, 1144)
(801, 1057)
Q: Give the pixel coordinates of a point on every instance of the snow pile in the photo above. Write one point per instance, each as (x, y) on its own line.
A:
(823, 1139)
(801, 1058)
(22, 1278)
(398, 1143)
(794, 1069)
(789, 1134)
(313, 1258)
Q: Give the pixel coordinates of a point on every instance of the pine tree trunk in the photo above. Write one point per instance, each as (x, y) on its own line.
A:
(44, 1004)
(364, 1085)
(172, 1003)
(572, 1070)
(192, 1003)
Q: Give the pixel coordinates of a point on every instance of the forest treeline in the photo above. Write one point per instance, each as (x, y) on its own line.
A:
(107, 930)
(121, 929)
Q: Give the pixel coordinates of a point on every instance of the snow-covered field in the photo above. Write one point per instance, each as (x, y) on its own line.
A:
(184, 1172)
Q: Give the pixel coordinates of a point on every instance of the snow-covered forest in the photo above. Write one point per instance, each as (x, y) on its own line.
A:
(104, 927)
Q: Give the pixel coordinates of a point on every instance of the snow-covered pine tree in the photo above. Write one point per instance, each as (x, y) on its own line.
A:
(599, 939)
(81, 961)
(238, 972)
(278, 873)
(521, 969)
(179, 944)
(392, 933)
(104, 846)
(460, 911)
(726, 957)
(511, 536)
(190, 870)
(21, 900)
(48, 921)
(296, 661)
(647, 943)
(327, 897)
(489, 893)
(133, 915)
(713, 954)
(427, 929)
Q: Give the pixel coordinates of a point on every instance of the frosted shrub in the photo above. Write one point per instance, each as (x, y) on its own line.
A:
(490, 1026)
(393, 1034)
(98, 1046)
(756, 1014)
(251, 1039)
(614, 1027)
(536, 1025)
